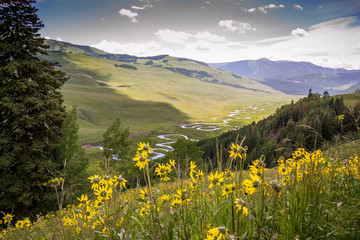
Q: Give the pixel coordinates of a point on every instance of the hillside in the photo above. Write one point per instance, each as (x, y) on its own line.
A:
(154, 93)
(295, 77)
(312, 123)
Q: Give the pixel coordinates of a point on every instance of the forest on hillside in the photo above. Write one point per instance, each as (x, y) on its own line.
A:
(314, 122)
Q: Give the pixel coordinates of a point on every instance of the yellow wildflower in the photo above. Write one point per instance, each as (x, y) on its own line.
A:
(251, 185)
(8, 218)
(162, 171)
(241, 206)
(236, 151)
(103, 193)
(95, 180)
(83, 200)
(141, 159)
(119, 180)
(144, 147)
(216, 234)
(171, 163)
(192, 170)
(228, 188)
(216, 179)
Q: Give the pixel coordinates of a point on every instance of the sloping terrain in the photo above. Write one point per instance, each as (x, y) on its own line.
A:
(151, 93)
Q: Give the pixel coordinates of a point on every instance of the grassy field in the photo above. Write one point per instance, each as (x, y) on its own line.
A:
(153, 98)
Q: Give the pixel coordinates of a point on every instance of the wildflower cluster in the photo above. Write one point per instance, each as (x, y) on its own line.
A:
(307, 196)
(303, 165)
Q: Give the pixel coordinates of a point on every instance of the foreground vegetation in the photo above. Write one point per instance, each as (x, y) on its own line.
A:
(307, 196)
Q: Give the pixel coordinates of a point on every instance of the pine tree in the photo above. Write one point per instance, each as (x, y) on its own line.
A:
(31, 111)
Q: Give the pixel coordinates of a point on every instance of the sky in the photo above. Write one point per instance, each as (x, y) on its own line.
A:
(324, 32)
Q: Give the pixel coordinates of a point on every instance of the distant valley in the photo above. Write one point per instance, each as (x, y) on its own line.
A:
(154, 94)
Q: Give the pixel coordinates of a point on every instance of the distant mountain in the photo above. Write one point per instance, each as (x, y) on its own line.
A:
(57, 46)
(295, 77)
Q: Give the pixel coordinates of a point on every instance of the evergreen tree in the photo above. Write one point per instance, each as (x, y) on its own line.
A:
(31, 111)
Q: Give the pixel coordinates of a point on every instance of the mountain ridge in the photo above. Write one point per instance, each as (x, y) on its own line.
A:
(295, 77)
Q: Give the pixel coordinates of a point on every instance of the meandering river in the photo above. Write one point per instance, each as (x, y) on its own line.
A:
(162, 148)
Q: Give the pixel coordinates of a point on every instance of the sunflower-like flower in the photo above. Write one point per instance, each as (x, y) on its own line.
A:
(175, 202)
(144, 193)
(103, 193)
(8, 218)
(83, 200)
(192, 171)
(171, 163)
(164, 199)
(236, 151)
(145, 210)
(162, 171)
(258, 167)
(227, 189)
(119, 180)
(241, 206)
(218, 233)
(251, 184)
(88, 214)
(182, 195)
(23, 223)
(199, 175)
(145, 147)
(106, 180)
(216, 179)
(141, 159)
(95, 180)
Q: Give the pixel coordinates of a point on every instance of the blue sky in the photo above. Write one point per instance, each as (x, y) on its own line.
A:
(325, 32)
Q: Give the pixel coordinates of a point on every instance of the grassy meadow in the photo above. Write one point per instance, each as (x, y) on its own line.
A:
(153, 98)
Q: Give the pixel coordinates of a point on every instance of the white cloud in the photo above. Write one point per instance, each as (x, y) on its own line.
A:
(129, 14)
(171, 36)
(138, 49)
(59, 39)
(264, 8)
(142, 8)
(332, 43)
(299, 32)
(209, 37)
(297, 6)
(180, 37)
(47, 37)
(235, 26)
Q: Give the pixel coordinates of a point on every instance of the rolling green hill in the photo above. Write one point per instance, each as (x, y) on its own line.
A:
(154, 93)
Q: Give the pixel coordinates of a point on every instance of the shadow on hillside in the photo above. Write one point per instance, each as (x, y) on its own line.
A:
(98, 104)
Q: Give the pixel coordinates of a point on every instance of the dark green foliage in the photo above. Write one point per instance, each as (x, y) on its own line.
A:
(31, 111)
(115, 140)
(73, 159)
(184, 152)
(126, 66)
(352, 119)
(312, 123)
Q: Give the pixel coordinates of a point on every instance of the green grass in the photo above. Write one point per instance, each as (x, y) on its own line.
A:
(152, 98)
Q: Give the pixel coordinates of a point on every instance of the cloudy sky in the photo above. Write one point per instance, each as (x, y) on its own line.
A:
(325, 32)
